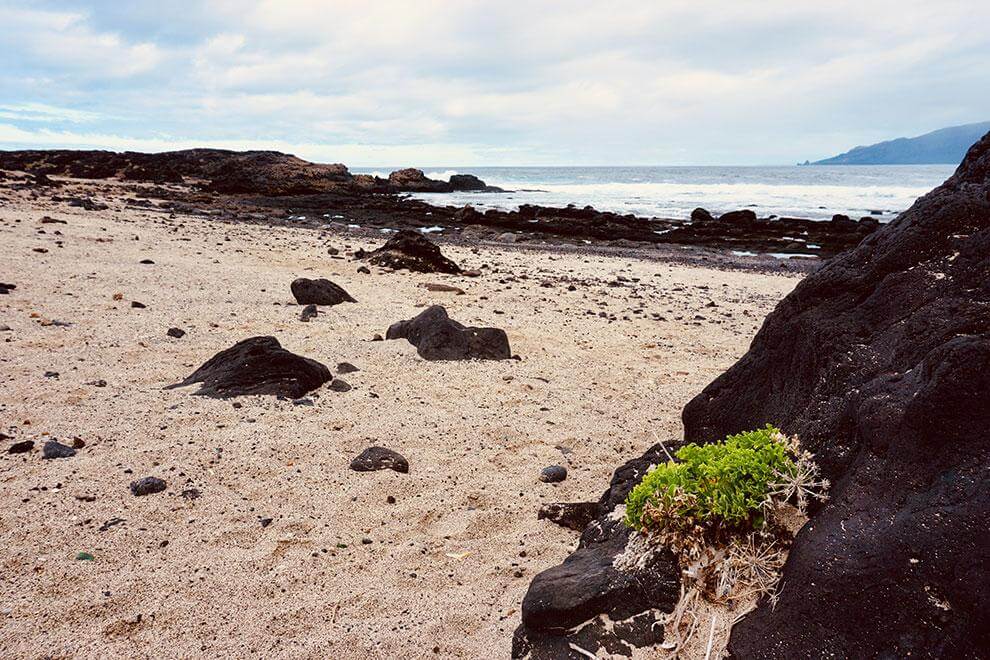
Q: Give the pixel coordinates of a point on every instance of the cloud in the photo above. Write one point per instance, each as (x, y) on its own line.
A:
(451, 83)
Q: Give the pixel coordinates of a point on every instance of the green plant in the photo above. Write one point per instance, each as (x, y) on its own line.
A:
(713, 488)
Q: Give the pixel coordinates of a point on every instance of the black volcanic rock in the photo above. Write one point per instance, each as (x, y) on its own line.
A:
(258, 365)
(55, 449)
(318, 292)
(438, 337)
(573, 515)
(410, 250)
(466, 182)
(587, 600)
(880, 361)
(743, 217)
(379, 458)
(701, 215)
(147, 486)
(413, 180)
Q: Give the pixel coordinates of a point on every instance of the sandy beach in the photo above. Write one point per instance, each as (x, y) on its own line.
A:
(286, 551)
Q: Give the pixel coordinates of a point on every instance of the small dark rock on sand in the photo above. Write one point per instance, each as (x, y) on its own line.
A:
(177, 333)
(258, 365)
(55, 449)
(147, 486)
(21, 447)
(553, 474)
(380, 458)
(318, 292)
(309, 312)
(410, 250)
(438, 337)
(346, 368)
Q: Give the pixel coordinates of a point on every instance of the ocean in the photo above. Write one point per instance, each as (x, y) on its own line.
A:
(815, 192)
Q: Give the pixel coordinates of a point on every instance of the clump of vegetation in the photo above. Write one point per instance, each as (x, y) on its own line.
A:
(714, 491)
(728, 510)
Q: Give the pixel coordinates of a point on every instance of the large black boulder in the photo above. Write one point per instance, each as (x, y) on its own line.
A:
(258, 365)
(410, 250)
(880, 361)
(318, 292)
(438, 337)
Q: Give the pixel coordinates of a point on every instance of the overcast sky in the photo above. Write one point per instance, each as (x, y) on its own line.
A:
(492, 83)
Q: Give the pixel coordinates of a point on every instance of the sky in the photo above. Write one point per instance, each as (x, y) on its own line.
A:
(458, 82)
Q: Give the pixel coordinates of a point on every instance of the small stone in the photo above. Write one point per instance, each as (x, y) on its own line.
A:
(364, 270)
(346, 368)
(84, 556)
(309, 312)
(147, 486)
(553, 474)
(146, 262)
(177, 333)
(55, 449)
(137, 305)
(339, 385)
(380, 458)
(265, 522)
(21, 447)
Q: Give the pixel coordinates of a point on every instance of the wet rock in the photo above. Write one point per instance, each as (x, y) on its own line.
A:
(258, 365)
(55, 449)
(412, 251)
(572, 515)
(701, 215)
(309, 312)
(177, 333)
(743, 217)
(553, 474)
(21, 447)
(147, 486)
(319, 292)
(380, 458)
(437, 337)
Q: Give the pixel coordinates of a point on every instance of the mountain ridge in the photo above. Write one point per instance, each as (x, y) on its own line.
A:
(943, 146)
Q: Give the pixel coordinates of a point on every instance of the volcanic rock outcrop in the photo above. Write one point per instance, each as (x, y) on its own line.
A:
(318, 292)
(438, 337)
(258, 365)
(880, 361)
(410, 250)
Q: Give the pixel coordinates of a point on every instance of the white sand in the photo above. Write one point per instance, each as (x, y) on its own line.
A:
(476, 436)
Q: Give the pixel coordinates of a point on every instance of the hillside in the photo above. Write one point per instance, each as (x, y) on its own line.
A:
(944, 146)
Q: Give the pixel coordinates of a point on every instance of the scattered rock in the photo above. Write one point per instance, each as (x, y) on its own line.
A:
(338, 385)
(309, 312)
(410, 250)
(437, 337)
(55, 449)
(346, 368)
(701, 215)
(442, 288)
(137, 305)
(177, 333)
(364, 270)
(147, 262)
(6, 288)
(147, 486)
(258, 365)
(553, 474)
(380, 458)
(319, 292)
(21, 447)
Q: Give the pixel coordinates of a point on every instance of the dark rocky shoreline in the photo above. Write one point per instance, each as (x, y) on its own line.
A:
(271, 186)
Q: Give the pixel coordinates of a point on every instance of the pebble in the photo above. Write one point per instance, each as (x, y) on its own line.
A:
(147, 486)
(553, 474)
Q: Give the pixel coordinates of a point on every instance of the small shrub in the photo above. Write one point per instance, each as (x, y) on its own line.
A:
(712, 489)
